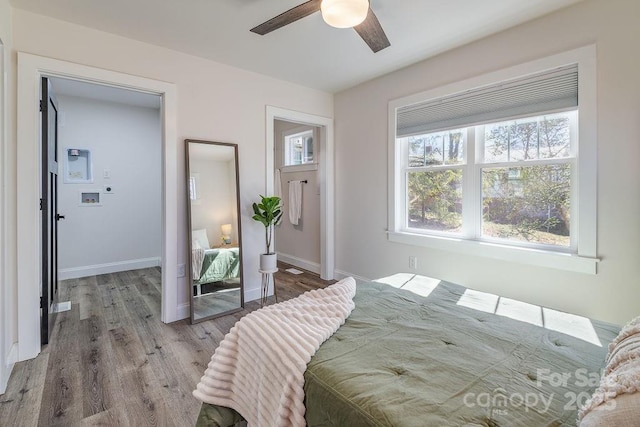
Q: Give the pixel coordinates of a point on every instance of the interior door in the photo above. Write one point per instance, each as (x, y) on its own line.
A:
(49, 208)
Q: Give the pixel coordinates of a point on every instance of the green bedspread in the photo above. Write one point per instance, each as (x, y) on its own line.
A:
(448, 357)
(218, 265)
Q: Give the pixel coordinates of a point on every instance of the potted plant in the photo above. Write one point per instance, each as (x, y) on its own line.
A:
(269, 213)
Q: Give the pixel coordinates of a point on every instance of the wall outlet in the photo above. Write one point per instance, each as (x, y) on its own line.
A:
(108, 189)
(181, 268)
(413, 262)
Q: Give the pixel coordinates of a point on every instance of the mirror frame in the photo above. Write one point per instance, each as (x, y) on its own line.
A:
(188, 269)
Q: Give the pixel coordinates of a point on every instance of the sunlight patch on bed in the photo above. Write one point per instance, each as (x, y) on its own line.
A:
(481, 301)
(398, 280)
(519, 310)
(419, 285)
(422, 285)
(569, 324)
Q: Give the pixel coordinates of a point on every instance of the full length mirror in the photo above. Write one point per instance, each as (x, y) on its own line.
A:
(213, 204)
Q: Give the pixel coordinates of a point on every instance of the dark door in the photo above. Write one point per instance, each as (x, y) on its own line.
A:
(49, 208)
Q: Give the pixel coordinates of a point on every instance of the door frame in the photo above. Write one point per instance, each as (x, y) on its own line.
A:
(326, 170)
(6, 332)
(48, 209)
(30, 69)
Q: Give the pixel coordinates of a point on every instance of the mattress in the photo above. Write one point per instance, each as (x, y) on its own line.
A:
(421, 352)
(219, 264)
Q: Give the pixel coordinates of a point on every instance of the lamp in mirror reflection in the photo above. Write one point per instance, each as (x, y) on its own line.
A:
(226, 233)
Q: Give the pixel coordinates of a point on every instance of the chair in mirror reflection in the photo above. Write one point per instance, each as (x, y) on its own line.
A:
(215, 237)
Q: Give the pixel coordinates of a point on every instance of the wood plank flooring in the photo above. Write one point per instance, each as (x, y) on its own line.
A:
(112, 361)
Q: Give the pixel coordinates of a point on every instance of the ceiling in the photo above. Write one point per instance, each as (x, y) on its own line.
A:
(307, 52)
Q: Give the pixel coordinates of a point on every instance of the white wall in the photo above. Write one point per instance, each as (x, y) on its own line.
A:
(215, 102)
(298, 244)
(125, 230)
(361, 187)
(8, 289)
(216, 202)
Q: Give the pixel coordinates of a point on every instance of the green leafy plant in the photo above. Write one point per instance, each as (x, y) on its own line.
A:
(269, 213)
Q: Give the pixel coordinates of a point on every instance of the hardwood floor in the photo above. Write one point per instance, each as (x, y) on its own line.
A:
(112, 361)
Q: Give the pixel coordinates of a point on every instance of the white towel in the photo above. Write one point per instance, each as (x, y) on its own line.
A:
(295, 201)
(197, 259)
(277, 184)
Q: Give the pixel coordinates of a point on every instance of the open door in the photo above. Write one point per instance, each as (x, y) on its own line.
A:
(49, 208)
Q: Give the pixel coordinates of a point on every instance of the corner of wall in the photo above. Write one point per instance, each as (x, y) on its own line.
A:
(8, 349)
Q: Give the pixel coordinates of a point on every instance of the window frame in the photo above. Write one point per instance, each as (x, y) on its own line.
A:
(286, 152)
(581, 256)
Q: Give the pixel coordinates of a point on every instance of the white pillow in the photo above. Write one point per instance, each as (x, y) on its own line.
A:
(200, 236)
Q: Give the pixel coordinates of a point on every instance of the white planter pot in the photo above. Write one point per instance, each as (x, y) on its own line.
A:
(268, 262)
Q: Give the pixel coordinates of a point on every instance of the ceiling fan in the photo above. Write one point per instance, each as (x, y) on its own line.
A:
(354, 14)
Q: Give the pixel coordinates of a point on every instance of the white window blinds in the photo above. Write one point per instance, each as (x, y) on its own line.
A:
(549, 91)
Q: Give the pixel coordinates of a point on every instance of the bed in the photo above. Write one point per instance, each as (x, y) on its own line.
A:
(421, 352)
(219, 264)
(213, 265)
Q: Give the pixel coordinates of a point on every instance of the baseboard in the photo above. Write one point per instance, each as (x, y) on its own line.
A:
(339, 275)
(12, 357)
(5, 371)
(111, 267)
(313, 267)
(183, 311)
(253, 294)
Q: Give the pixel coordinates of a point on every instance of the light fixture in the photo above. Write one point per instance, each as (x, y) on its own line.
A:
(226, 234)
(344, 13)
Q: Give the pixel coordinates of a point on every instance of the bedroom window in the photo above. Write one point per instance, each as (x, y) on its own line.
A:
(491, 166)
(298, 148)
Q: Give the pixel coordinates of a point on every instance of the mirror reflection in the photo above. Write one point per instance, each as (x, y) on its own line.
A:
(213, 206)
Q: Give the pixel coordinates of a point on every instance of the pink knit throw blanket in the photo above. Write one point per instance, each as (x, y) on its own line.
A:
(258, 369)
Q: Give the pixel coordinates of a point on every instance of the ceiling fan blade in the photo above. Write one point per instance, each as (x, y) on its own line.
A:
(372, 33)
(286, 18)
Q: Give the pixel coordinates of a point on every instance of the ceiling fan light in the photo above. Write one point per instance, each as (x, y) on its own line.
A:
(344, 13)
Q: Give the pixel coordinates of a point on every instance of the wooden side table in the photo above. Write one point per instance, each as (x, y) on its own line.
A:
(267, 277)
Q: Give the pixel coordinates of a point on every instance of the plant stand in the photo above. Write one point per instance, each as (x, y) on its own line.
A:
(267, 278)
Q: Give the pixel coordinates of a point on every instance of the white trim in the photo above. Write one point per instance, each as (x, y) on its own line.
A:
(107, 268)
(299, 168)
(344, 274)
(311, 266)
(585, 259)
(7, 366)
(326, 168)
(183, 310)
(12, 355)
(6, 331)
(529, 256)
(252, 294)
(30, 69)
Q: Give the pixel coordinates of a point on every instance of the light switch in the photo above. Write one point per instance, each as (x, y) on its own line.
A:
(106, 174)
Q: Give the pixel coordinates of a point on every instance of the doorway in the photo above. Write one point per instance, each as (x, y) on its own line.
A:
(109, 173)
(28, 227)
(322, 127)
(297, 151)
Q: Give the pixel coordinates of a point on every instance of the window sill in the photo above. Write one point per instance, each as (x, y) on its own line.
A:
(536, 257)
(299, 168)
